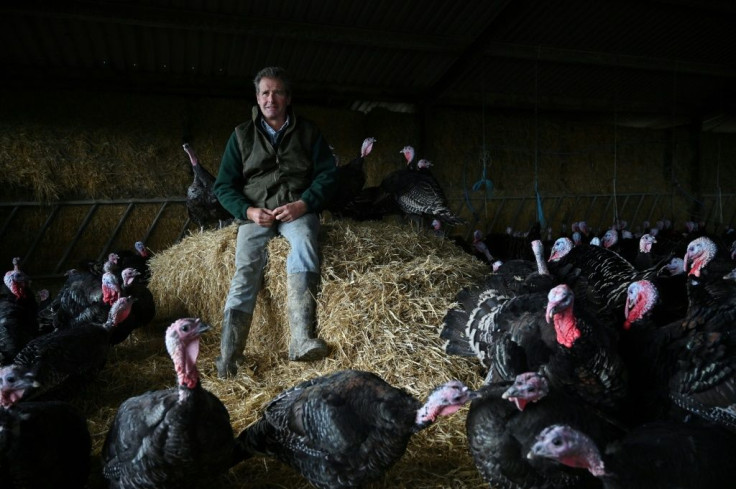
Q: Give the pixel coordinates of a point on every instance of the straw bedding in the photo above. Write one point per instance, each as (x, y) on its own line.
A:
(385, 289)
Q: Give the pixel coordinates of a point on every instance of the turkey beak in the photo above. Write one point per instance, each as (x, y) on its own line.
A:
(473, 395)
(202, 327)
(551, 311)
(512, 391)
(685, 262)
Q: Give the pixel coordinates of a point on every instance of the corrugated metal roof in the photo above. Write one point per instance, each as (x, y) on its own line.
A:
(644, 56)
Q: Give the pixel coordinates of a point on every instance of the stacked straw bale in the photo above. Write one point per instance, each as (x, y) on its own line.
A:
(385, 289)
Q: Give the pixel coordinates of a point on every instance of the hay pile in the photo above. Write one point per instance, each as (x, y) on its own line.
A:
(385, 290)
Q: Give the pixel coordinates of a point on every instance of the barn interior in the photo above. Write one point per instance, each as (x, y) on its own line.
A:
(530, 112)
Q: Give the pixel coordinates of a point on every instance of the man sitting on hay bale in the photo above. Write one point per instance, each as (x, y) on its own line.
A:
(276, 173)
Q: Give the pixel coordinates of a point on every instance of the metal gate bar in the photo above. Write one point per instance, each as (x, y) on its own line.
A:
(8, 220)
(77, 237)
(41, 233)
(115, 232)
(94, 205)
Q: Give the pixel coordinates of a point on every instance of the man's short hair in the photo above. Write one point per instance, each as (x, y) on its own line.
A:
(274, 72)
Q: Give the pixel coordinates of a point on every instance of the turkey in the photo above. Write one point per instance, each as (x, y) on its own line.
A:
(694, 359)
(18, 315)
(644, 258)
(480, 249)
(350, 182)
(177, 438)
(143, 309)
(501, 321)
(705, 381)
(16, 330)
(675, 266)
(659, 455)
(203, 207)
(513, 245)
(661, 300)
(81, 299)
(136, 258)
(111, 280)
(585, 362)
(417, 193)
(346, 428)
(605, 273)
(410, 157)
(371, 204)
(650, 343)
(42, 444)
(621, 241)
(66, 359)
(16, 283)
(611, 240)
(502, 425)
(710, 296)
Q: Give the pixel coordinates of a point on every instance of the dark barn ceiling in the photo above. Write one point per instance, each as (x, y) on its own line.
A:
(656, 63)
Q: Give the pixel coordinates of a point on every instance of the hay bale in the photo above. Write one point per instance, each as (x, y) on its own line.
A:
(385, 290)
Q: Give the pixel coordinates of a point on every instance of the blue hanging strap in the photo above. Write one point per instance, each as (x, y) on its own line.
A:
(484, 182)
(540, 211)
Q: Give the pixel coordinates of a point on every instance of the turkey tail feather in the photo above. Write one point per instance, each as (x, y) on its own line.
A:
(251, 442)
(453, 330)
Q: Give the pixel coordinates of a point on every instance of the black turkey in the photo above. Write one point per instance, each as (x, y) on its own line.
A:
(18, 315)
(501, 321)
(696, 356)
(417, 193)
(645, 258)
(513, 245)
(16, 330)
(585, 362)
(203, 207)
(78, 301)
(502, 426)
(16, 282)
(17, 288)
(177, 438)
(705, 380)
(652, 339)
(480, 248)
(706, 264)
(410, 157)
(347, 428)
(82, 300)
(605, 274)
(661, 300)
(42, 444)
(143, 309)
(111, 280)
(659, 455)
(136, 258)
(611, 240)
(67, 359)
(350, 182)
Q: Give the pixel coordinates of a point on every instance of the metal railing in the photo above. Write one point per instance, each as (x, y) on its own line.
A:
(495, 214)
(492, 214)
(33, 238)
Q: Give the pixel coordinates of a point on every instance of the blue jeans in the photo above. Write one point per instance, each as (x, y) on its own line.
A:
(251, 256)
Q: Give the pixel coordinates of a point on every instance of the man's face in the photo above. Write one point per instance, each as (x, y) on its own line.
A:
(272, 99)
